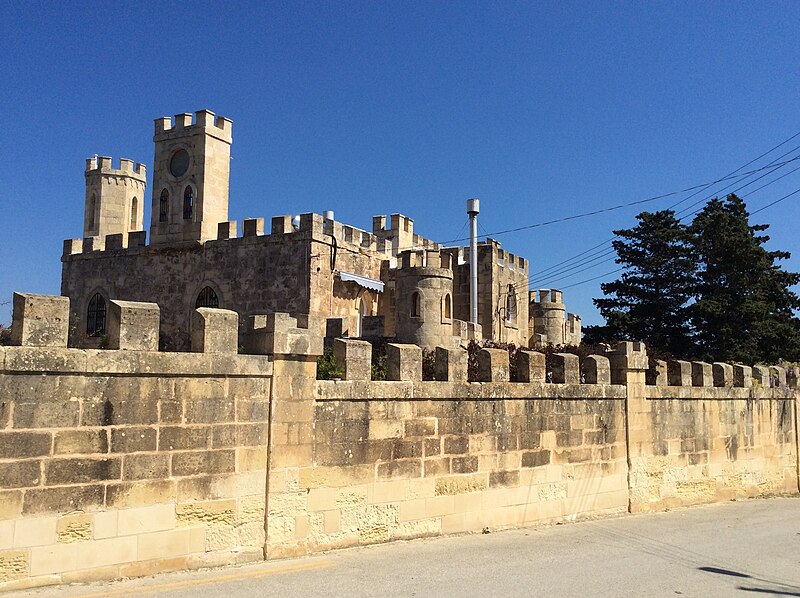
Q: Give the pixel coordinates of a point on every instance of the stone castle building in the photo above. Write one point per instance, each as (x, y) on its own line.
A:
(388, 281)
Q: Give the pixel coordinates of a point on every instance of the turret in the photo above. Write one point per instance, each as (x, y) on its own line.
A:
(424, 298)
(114, 197)
(191, 173)
(547, 313)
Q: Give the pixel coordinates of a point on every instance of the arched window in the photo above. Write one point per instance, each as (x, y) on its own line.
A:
(511, 304)
(96, 316)
(163, 206)
(207, 298)
(415, 305)
(362, 311)
(447, 308)
(93, 213)
(134, 213)
(188, 203)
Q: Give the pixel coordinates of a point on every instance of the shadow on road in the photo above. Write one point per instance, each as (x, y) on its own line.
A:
(786, 590)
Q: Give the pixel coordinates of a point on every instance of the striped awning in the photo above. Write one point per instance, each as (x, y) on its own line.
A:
(367, 283)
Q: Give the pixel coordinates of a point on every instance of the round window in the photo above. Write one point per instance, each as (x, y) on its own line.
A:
(179, 163)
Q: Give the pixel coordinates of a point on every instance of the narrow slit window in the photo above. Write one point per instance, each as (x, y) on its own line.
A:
(188, 203)
(96, 316)
(511, 304)
(447, 309)
(415, 305)
(93, 214)
(163, 206)
(134, 213)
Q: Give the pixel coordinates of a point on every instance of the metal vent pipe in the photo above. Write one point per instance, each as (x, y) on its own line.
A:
(473, 207)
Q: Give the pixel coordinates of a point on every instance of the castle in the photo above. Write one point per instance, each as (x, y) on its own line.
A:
(390, 282)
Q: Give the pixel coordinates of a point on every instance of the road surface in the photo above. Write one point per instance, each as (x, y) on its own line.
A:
(749, 548)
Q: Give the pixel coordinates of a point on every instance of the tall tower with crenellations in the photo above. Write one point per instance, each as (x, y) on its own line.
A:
(191, 173)
(114, 197)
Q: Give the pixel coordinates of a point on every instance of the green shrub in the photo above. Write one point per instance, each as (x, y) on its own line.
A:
(327, 368)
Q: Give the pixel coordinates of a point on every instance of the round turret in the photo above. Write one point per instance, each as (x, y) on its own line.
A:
(424, 298)
(548, 313)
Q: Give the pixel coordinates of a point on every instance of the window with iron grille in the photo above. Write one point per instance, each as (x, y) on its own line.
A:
(96, 316)
(207, 298)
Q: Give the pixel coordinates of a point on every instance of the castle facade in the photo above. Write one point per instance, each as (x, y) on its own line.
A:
(386, 282)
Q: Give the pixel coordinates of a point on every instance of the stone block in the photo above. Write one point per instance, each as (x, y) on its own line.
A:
(451, 364)
(679, 373)
(355, 357)
(761, 375)
(372, 327)
(702, 374)
(722, 374)
(203, 462)
(281, 334)
(22, 445)
(596, 369)
(82, 471)
(493, 365)
(63, 499)
(75, 527)
(72, 246)
(145, 466)
(335, 327)
(311, 223)
(778, 375)
(281, 225)
(137, 239)
(531, 366)
(133, 494)
(742, 376)
(215, 330)
(35, 531)
(566, 369)
(93, 244)
(660, 375)
(403, 362)
(253, 227)
(627, 355)
(133, 326)
(20, 474)
(40, 320)
(226, 230)
(13, 565)
(115, 242)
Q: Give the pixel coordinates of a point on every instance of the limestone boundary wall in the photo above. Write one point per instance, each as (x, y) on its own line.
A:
(129, 461)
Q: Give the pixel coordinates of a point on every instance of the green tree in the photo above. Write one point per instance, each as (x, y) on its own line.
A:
(649, 300)
(744, 309)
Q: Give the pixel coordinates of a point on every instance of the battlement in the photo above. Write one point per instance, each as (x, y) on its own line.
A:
(544, 296)
(425, 258)
(103, 165)
(43, 321)
(203, 119)
(404, 363)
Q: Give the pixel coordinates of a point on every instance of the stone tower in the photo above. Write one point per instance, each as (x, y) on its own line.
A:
(191, 172)
(424, 298)
(550, 322)
(114, 197)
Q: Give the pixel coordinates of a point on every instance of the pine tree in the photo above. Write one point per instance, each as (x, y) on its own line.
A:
(744, 307)
(649, 301)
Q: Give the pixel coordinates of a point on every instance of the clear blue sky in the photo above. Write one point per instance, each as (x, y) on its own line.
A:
(542, 110)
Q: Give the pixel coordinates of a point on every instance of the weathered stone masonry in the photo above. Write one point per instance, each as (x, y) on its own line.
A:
(128, 461)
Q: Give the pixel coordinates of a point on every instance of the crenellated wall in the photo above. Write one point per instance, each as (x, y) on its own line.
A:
(128, 461)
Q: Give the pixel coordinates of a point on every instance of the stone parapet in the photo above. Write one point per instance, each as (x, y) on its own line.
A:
(40, 320)
(281, 334)
(133, 326)
(215, 330)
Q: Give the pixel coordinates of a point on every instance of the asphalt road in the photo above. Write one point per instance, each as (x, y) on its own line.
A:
(749, 548)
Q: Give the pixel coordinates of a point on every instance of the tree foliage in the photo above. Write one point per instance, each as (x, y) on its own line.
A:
(744, 305)
(709, 290)
(650, 300)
